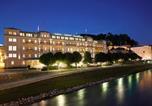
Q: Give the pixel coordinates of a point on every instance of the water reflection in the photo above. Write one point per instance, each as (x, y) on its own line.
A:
(137, 77)
(132, 90)
(81, 96)
(43, 103)
(146, 82)
(104, 87)
(61, 100)
(120, 90)
(130, 81)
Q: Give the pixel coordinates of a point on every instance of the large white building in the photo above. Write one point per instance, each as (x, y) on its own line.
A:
(23, 47)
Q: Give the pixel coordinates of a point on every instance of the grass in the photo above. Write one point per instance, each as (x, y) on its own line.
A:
(15, 76)
(69, 81)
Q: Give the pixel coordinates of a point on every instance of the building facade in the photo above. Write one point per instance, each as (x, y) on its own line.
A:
(2, 56)
(23, 47)
(145, 52)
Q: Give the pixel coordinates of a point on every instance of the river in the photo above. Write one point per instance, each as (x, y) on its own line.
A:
(132, 90)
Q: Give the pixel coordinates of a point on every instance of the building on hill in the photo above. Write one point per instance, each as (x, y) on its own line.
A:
(145, 51)
(24, 48)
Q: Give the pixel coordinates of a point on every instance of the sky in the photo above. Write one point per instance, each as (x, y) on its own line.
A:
(132, 17)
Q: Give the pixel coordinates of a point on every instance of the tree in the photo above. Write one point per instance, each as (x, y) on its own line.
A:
(47, 59)
(100, 57)
(87, 57)
(76, 57)
(68, 58)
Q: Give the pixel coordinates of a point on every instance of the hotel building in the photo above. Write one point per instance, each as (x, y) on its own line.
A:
(24, 48)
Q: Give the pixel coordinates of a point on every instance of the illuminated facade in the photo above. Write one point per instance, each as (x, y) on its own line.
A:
(23, 46)
(145, 52)
(2, 56)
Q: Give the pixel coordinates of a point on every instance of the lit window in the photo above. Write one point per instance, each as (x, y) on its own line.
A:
(12, 62)
(35, 55)
(66, 38)
(14, 33)
(76, 38)
(14, 55)
(58, 37)
(23, 48)
(10, 55)
(23, 40)
(14, 48)
(9, 48)
(83, 39)
(35, 48)
(62, 37)
(10, 33)
(19, 57)
(71, 38)
(23, 55)
(23, 62)
(10, 39)
(35, 41)
(53, 36)
(29, 40)
(14, 39)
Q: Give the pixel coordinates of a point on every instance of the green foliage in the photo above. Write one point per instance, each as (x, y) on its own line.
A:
(87, 57)
(68, 58)
(77, 57)
(101, 57)
(46, 59)
(58, 56)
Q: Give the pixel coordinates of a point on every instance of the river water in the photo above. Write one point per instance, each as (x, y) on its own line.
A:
(132, 90)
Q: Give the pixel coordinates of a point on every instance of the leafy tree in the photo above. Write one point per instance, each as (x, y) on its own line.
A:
(68, 58)
(101, 57)
(77, 57)
(58, 56)
(47, 59)
(87, 57)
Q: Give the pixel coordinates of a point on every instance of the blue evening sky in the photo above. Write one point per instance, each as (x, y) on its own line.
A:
(133, 17)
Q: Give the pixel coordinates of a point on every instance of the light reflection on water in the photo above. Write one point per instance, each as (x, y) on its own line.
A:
(131, 90)
(120, 90)
(81, 94)
(61, 100)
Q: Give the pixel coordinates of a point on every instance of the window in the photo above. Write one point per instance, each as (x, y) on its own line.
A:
(9, 48)
(10, 55)
(23, 62)
(53, 36)
(58, 37)
(35, 55)
(23, 55)
(14, 33)
(35, 41)
(12, 62)
(14, 48)
(29, 40)
(23, 40)
(10, 39)
(66, 38)
(10, 33)
(14, 39)
(35, 48)
(14, 55)
(23, 48)
(62, 37)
